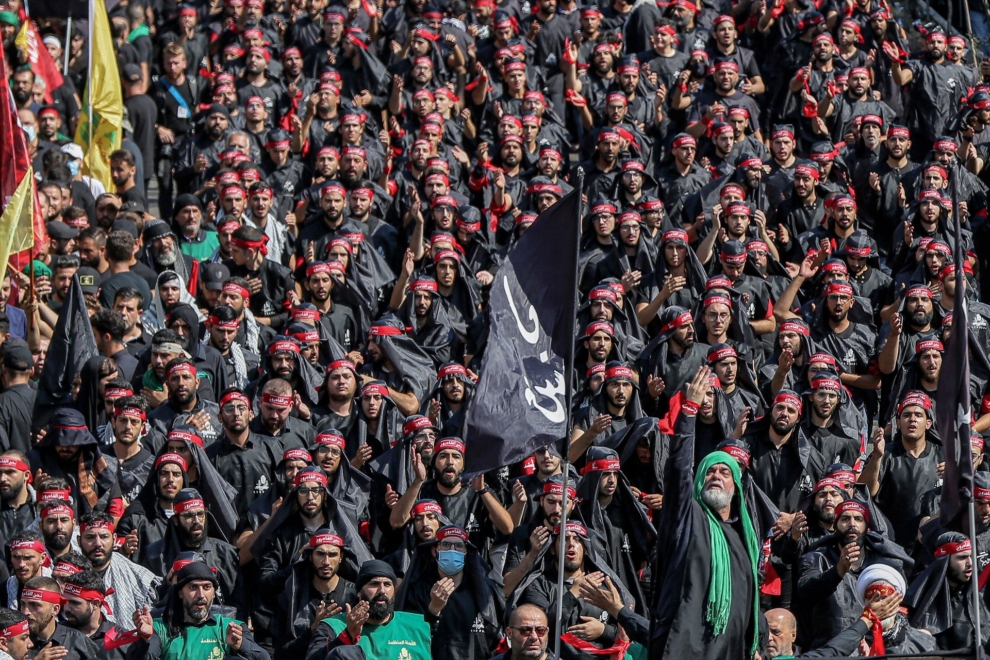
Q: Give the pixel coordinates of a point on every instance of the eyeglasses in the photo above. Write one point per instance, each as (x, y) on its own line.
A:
(453, 545)
(306, 492)
(526, 631)
(192, 516)
(333, 451)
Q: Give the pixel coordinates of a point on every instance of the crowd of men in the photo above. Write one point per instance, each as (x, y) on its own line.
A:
(265, 457)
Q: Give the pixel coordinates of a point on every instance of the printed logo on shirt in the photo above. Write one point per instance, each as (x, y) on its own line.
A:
(288, 187)
(472, 525)
(626, 546)
(404, 654)
(806, 485)
(261, 485)
(849, 359)
(478, 626)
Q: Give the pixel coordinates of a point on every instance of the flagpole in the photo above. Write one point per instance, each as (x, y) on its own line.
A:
(68, 44)
(89, 89)
(568, 398)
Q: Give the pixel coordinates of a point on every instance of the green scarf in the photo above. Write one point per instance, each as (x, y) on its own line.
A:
(720, 587)
(140, 31)
(150, 380)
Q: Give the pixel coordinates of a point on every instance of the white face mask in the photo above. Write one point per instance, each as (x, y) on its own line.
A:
(31, 132)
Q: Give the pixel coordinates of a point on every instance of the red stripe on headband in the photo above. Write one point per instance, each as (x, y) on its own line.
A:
(330, 440)
(49, 495)
(677, 322)
(374, 388)
(37, 546)
(130, 411)
(231, 287)
(602, 465)
(550, 488)
(448, 443)
(795, 327)
(426, 507)
(180, 367)
(88, 594)
(117, 392)
(737, 453)
(385, 331)
(17, 629)
(852, 505)
(788, 397)
(58, 510)
(186, 436)
(66, 568)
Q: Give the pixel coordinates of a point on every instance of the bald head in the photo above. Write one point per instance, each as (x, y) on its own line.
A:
(528, 613)
(782, 628)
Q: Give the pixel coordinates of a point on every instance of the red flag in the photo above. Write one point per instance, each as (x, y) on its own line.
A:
(39, 58)
(19, 157)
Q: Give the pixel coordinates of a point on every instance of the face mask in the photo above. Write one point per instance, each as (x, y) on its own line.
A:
(73, 167)
(32, 133)
(451, 562)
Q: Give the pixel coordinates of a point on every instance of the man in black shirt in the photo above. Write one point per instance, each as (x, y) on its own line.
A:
(17, 398)
(176, 98)
(123, 170)
(269, 282)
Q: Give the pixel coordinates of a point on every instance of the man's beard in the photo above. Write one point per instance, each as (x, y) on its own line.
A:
(11, 493)
(783, 428)
(838, 315)
(76, 621)
(852, 536)
(380, 608)
(215, 133)
(827, 517)
(921, 318)
(449, 479)
(685, 342)
(716, 498)
(22, 97)
(165, 258)
(100, 563)
(187, 538)
(91, 263)
(198, 609)
(58, 541)
(40, 624)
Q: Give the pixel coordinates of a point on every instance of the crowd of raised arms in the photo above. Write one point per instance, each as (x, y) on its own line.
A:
(288, 286)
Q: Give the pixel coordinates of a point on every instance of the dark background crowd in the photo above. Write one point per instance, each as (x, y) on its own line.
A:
(288, 288)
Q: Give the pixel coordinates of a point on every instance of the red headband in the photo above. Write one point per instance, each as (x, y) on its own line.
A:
(550, 488)
(130, 411)
(49, 495)
(448, 443)
(954, 548)
(182, 366)
(117, 392)
(375, 388)
(185, 436)
(603, 465)
(330, 439)
(171, 458)
(313, 475)
(96, 524)
(325, 539)
(17, 464)
(276, 400)
(89, 594)
(188, 505)
(43, 596)
(58, 510)
(829, 482)
(677, 322)
(852, 505)
(426, 507)
(795, 327)
(737, 453)
(788, 398)
(66, 568)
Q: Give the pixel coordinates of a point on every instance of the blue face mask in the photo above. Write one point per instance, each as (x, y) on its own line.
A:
(32, 133)
(451, 562)
(73, 167)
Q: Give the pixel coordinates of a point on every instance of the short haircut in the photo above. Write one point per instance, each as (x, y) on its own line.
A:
(28, 536)
(248, 234)
(45, 583)
(224, 313)
(65, 262)
(165, 336)
(173, 49)
(123, 155)
(109, 322)
(132, 402)
(174, 362)
(278, 387)
(129, 293)
(77, 560)
(95, 234)
(88, 580)
(94, 516)
(4, 323)
(73, 213)
(120, 246)
(9, 617)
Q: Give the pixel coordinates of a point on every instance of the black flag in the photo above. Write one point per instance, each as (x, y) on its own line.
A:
(952, 403)
(72, 345)
(522, 399)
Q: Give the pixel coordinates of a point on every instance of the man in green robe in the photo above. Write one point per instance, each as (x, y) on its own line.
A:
(373, 624)
(190, 628)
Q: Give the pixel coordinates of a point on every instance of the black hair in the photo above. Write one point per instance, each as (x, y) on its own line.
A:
(107, 321)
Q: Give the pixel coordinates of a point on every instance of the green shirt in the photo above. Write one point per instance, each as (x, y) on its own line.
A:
(204, 642)
(405, 637)
(202, 249)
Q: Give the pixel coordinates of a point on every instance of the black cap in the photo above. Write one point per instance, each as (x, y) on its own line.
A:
(213, 276)
(17, 355)
(132, 73)
(277, 135)
(371, 569)
(61, 231)
(123, 224)
(133, 207)
(193, 572)
(217, 108)
(187, 199)
(89, 279)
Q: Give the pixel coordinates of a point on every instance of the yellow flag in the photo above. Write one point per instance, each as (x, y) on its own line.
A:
(108, 102)
(16, 228)
(21, 40)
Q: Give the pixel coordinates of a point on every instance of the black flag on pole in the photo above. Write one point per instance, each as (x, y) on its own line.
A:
(520, 403)
(953, 405)
(72, 345)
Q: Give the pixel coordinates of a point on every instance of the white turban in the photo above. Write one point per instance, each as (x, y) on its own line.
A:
(879, 573)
